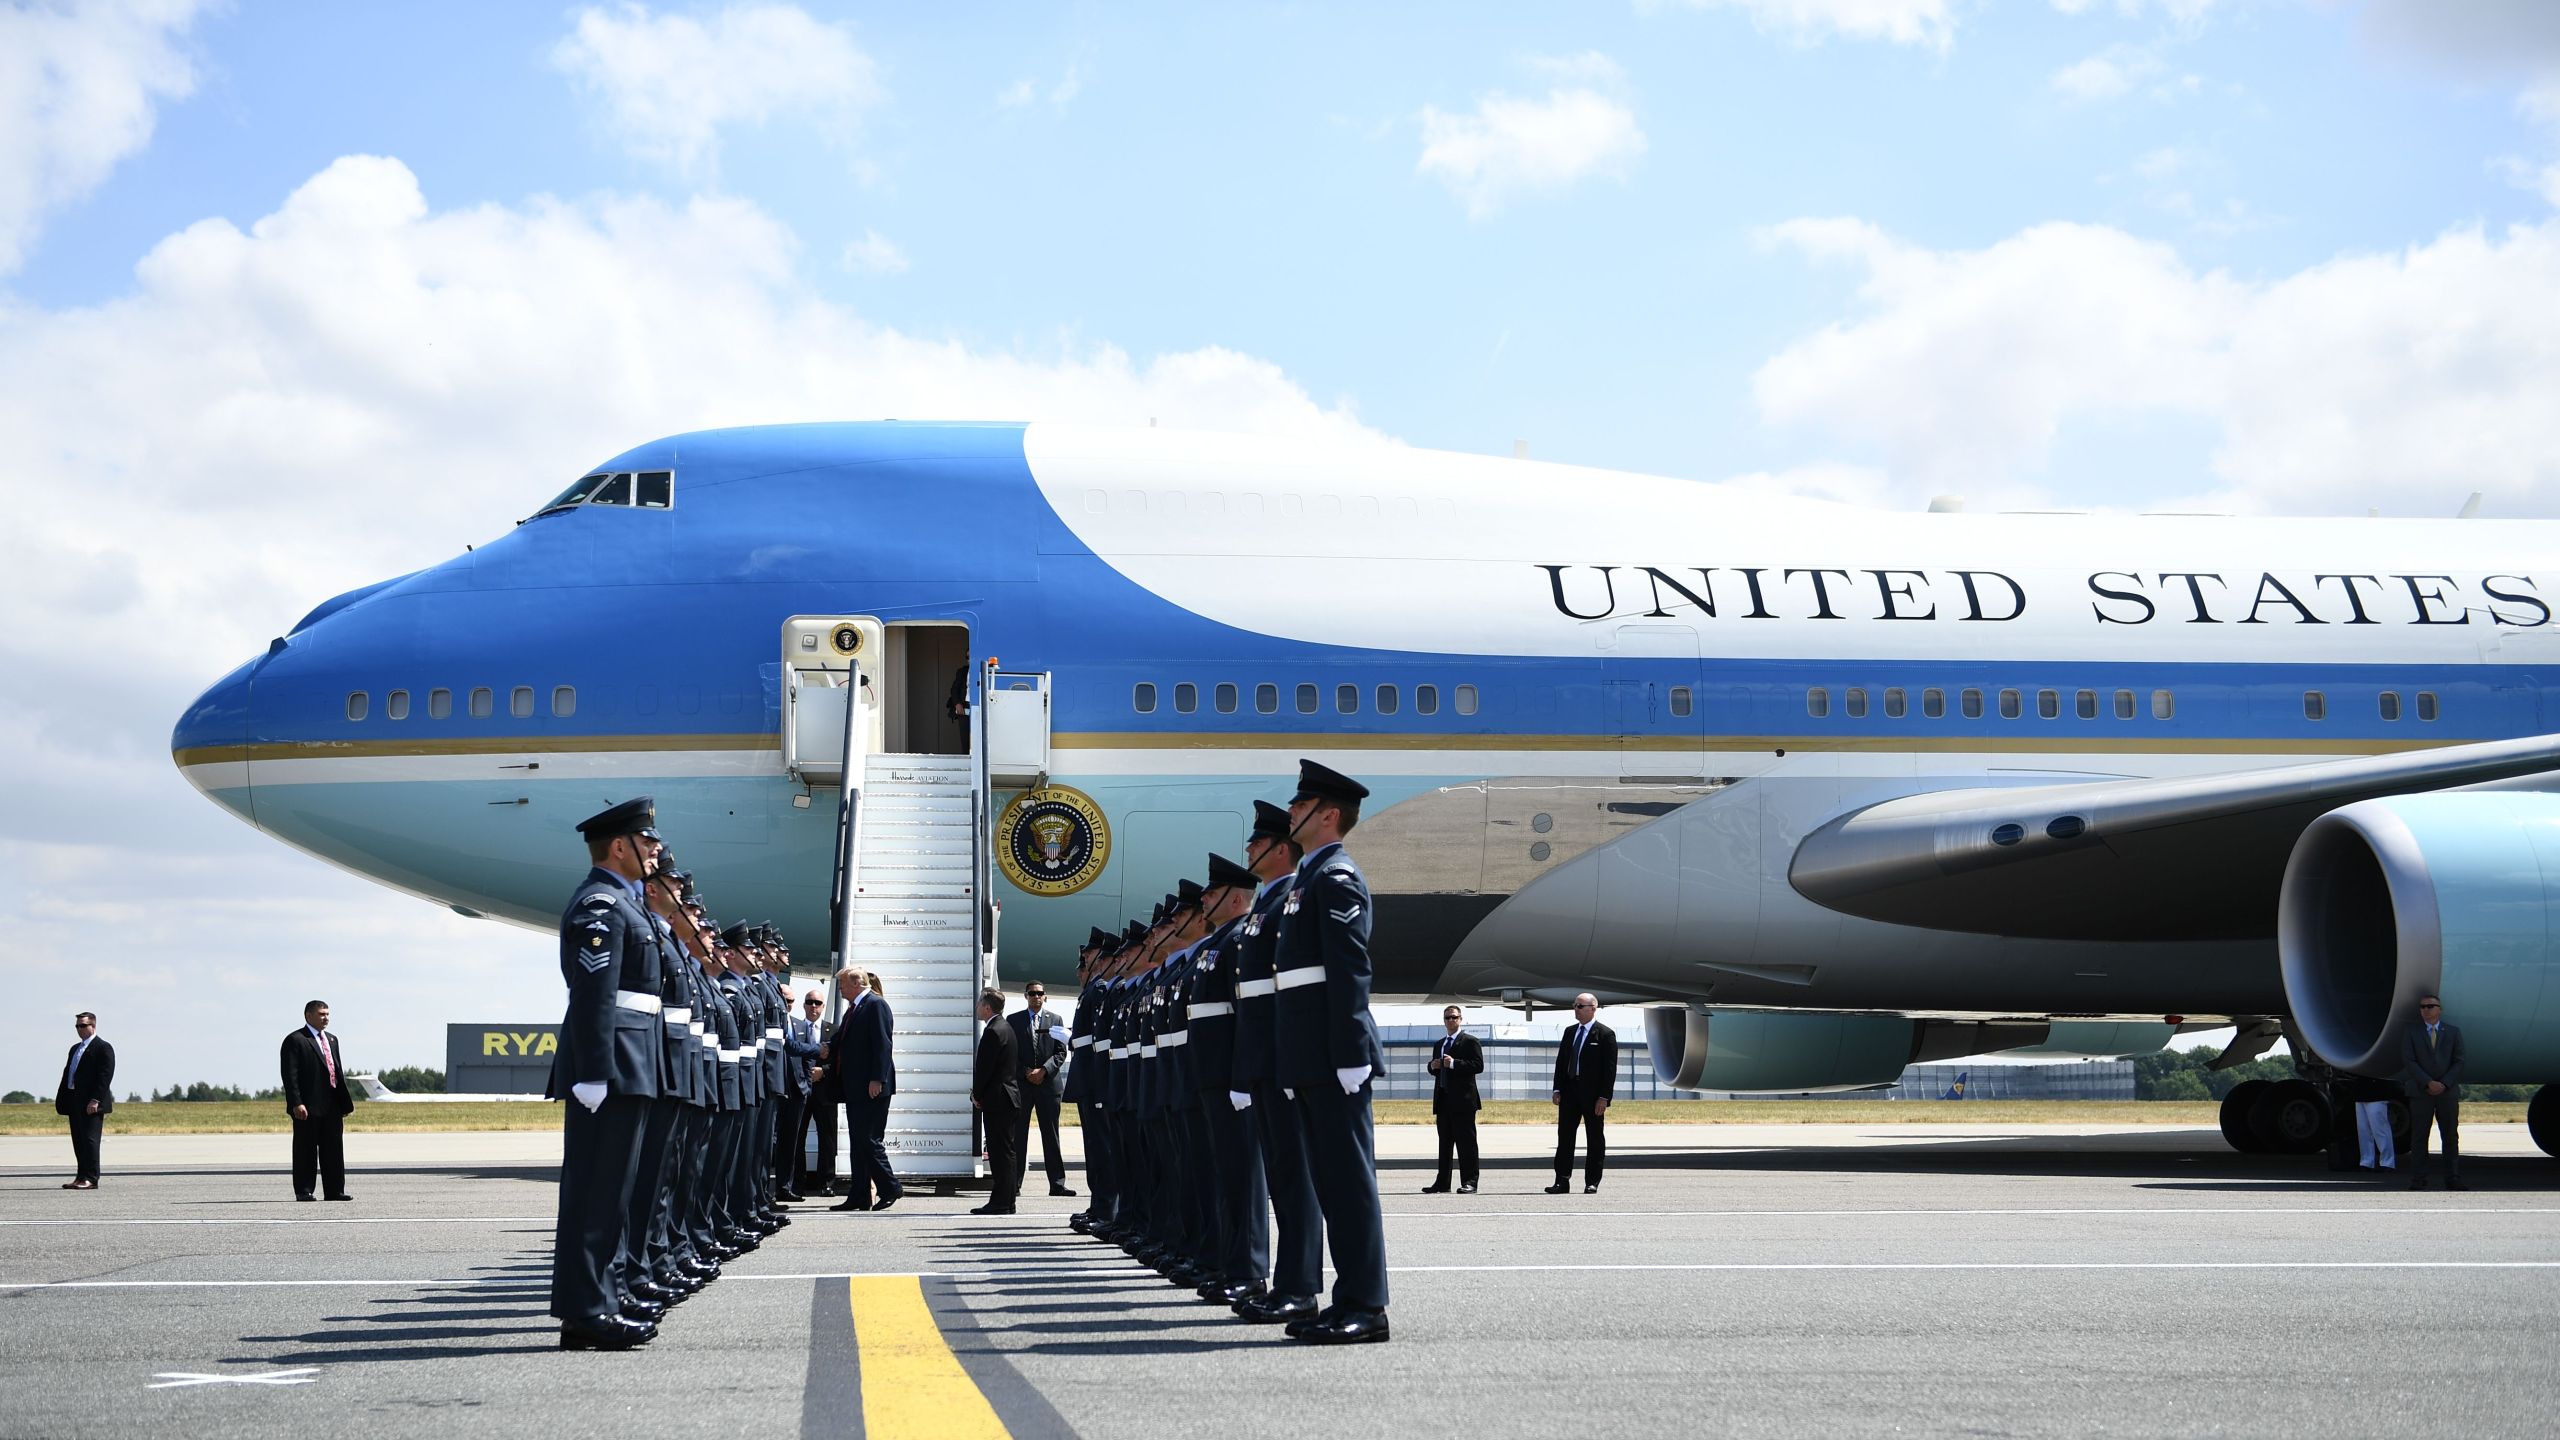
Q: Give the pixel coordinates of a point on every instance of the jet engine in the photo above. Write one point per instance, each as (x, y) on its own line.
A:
(1790, 1053)
(2457, 893)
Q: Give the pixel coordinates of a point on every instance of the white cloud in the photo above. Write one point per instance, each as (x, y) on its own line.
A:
(2111, 74)
(79, 83)
(353, 386)
(874, 254)
(2348, 384)
(1930, 23)
(1023, 92)
(1511, 147)
(671, 84)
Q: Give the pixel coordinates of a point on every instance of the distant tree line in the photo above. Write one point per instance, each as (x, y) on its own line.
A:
(412, 1080)
(2181, 1075)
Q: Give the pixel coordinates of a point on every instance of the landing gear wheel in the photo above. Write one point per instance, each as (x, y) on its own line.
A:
(2289, 1117)
(2235, 1116)
(2542, 1119)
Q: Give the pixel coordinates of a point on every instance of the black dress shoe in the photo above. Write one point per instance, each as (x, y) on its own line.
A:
(1188, 1275)
(892, 1198)
(1591, 1189)
(1349, 1327)
(297, 1197)
(642, 1312)
(651, 1291)
(1559, 1188)
(1231, 1293)
(1296, 1328)
(1080, 1223)
(1063, 1191)
(851, 1202)
(1435, 1189)
(703, 1272)
(721, 1250)
(992, 1208)
(337, 1197)
(792, 1196)
(1467, 1189)
(1276, 1309)
(610, 1332)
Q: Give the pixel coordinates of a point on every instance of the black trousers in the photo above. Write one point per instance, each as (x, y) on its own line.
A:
(86, 1131)
(1243, 1203)
(1005, 1126)
(648, 1194)
(1100, 1171)
(1569, 1114)
(869, 1162)
(2445, 1112)
(1297, 1256)
(825, 1114)
(1342, 1159)
(793, 1123)
(599, 1164)
(1053, 1156)
(319, 1148)
(1457, 1138)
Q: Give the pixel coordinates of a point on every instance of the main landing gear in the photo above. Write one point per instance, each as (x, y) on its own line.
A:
(2287, 1117)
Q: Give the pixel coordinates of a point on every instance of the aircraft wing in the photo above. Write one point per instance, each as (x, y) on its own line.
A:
(2189, 858)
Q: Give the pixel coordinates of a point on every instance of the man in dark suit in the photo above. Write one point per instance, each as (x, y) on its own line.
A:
(824, 1096)
(2431, 1064)
(1586, 1080)
(86, 1096)
(1045, 1054)
(799, 1049)
(317, 1097)
(1455, 1063)
(996, 1091)
(865, 1064)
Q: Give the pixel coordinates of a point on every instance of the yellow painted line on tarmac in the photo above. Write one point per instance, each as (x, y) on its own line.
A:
(912, 1385)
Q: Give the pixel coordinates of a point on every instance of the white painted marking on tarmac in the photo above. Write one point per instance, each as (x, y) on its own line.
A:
(2282, 1211)
(348, 1220)
(176, 1379)
(1748, 1265)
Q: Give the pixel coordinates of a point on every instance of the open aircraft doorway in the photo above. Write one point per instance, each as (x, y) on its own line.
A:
(926, 666)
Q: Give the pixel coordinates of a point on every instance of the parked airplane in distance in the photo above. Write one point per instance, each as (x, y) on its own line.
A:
(371, 1088)
(1956, 1091)
(1834, 790)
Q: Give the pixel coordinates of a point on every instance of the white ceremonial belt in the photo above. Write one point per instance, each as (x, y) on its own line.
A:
(729, 1055)
(1122, 1052)
(1171, 1038)
(635, 1000)
(700, 1030)
(1146, 1052)
(773, 1032)
(1253, 989)
(1080, 1042)
(1303, 975)
(1214, 1007)
(678, 1015)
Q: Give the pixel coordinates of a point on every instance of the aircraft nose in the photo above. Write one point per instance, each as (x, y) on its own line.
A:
(211, 741)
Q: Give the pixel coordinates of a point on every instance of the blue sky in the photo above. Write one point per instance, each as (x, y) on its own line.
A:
(2271, 255)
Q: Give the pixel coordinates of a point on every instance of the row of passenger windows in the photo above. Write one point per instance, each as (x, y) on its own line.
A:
(482, 703)
(1227, 698)
(2084, 704)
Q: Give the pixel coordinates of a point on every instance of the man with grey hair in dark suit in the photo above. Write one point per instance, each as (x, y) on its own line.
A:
(2431, 1065)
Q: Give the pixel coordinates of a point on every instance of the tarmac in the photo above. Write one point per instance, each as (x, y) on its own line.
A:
(1802, 1280)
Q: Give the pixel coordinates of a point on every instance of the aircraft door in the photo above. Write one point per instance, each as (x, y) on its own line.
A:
(1652, 694)
(827, 660)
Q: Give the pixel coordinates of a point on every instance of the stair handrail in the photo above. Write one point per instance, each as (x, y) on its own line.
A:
(848, 831)
(982, 927)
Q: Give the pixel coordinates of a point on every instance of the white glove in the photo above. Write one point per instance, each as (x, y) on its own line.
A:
(1352, 1079)
(1240, 1100)
(590, 1093)
(1058, 1033)
(1289, 1092)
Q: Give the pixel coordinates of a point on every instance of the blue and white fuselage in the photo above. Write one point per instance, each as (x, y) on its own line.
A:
(1600, 713)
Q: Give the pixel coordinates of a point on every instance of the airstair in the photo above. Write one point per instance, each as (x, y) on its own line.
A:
(910, 902)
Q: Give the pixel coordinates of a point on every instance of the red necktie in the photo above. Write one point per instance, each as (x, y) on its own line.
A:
(328, 1059)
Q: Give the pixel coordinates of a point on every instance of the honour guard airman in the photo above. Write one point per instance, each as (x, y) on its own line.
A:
(1239, 1250)
(610, 1070)
(1327, 1050)
(1297, 1257)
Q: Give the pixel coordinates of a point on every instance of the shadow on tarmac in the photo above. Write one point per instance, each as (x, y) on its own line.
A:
(2002, 1156)
(410, 1327)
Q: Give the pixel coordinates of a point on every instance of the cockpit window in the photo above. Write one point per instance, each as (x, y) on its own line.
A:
(643, 489)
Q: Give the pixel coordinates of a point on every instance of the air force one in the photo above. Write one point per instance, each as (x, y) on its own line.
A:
(1834, 790)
